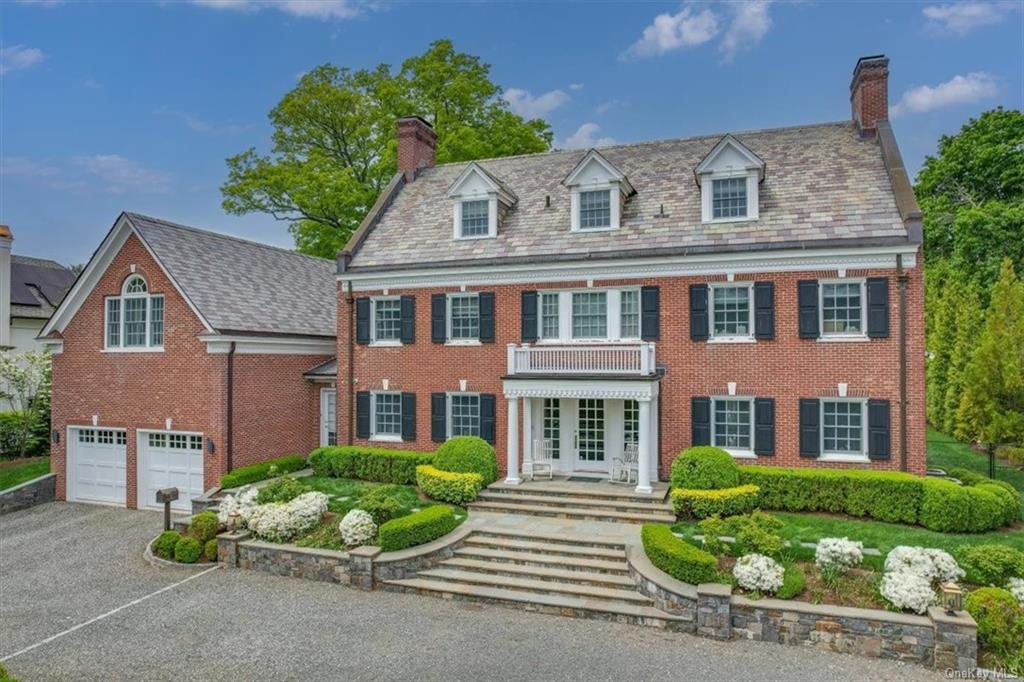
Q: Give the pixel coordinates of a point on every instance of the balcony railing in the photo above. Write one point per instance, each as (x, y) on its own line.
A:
(626, 358)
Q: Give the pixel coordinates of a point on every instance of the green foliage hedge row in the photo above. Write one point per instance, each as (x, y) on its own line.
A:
(724, 502)
(258, 472)
(448, 486)
(468, 454)
(991, 564)
(368, 464)
(704, 467)
(951, 508)
(418, 528)
(679, 559)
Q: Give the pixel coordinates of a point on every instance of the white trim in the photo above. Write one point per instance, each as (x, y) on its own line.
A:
(862, 335)
(607, 389)
(449, 341)
(614, 208)
(707, 195)
(843, 339)
(384, 437)
(793, 260)
(754, 162)
(54, 346)
(374, 300)
(70, 479)
(448, 411)
(323, 430)
(862, 456)
(739, 454)
(492, 218)
(133, 349)
(854, 459)
(731, 338)
(269, 345)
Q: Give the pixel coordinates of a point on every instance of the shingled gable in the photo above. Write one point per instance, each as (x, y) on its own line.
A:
(751, 160)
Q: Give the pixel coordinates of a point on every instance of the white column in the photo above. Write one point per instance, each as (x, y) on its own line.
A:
(512, 442)
(527, 433)
(643, 474)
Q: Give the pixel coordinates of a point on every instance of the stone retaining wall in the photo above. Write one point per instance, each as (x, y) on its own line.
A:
(323, 565)
(29, 494)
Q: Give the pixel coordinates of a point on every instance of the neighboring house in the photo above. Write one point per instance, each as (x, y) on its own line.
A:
(760, 291)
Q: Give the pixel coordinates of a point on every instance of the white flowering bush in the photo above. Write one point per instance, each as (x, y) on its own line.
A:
(243, 502)
(838, 554)
(930, 564)
(758, 573)
(282, 521)
(907, 590)
(357, 528)
(1016, 588)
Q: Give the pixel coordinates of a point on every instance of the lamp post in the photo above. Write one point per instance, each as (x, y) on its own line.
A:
(165, 496)
(952, 598)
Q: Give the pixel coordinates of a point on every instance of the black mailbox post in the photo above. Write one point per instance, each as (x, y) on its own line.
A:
(165, 496)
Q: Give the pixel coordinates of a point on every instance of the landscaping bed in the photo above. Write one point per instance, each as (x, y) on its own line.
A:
(16, 471)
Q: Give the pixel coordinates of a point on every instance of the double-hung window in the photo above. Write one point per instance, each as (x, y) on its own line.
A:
(464, 317)
(729, 198)
(731, 309)
(464, 414)
(629, 314)
(475, 218)
(630, 421)
(842, 427)
(842, 308)
(135, 319)
(595, 209)
(387, 319)
(549, 322)
(386, 416)
(732, 427)
(589, 315)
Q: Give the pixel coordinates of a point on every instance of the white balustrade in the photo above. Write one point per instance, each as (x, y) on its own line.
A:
(632, 358)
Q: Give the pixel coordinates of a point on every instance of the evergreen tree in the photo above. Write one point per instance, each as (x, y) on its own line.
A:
(940, 341)
(967, 318)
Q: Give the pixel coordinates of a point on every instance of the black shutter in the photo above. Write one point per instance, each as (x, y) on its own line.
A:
(764, 310)
(438, 417)
(408, 416)
(764, 426)
(363, 320)
(650, 313)
(699, 312)
(807, 302)
(408, 319)
(700, 421)
(810, 428)
(878, 307)
(878, 429)
(486, 308)
(363, 414)
(487, 417)
(438, 325)
(528, 317)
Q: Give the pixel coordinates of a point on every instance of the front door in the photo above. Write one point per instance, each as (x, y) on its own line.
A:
(590, 435)
(328, 416)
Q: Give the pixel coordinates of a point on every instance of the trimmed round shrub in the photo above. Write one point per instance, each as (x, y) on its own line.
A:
(723, 502)
(380, 504)
(468, 454)
(204, 526)
(949, 508)
(991, 564)
(1008, 498)
(188, 550)
(705, 468)
(164, 544)
(1000, 621)
(210, 550)
(281, 489)
(679, 559)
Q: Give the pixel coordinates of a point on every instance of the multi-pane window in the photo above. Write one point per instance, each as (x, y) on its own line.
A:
(475, 218)
(387, 414)
(843, 427)
(731, 310)
(182, 441)
(729, 198)
(595, 209)
(841, 308)
(549, 316)
(732, 425)
(464, 317)
(553, 425)
(135, 321)
(589, 315)
(114, 322)
(86, 436)
(157, 440)
(156, 321)
(121, 437)
(105, 437)
(465, 415)
(629, 314)
(387, 319)
(631, 421)
(136, 318)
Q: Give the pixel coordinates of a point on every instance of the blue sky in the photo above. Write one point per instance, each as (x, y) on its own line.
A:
(112, 106)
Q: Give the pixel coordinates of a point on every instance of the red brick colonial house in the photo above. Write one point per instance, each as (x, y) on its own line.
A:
(760, 291)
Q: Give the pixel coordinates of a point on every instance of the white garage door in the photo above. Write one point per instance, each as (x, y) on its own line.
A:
(168, 459)
(97, 465)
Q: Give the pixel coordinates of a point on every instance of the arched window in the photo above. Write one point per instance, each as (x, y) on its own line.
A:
(135, 319)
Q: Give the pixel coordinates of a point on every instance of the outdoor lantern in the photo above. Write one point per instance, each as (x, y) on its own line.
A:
(209, 446)
(234, 521)
(55, 436)
(952, 598)
(165, 496)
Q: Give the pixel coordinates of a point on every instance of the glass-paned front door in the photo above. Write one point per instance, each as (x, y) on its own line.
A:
(553, 424)
(590, 431)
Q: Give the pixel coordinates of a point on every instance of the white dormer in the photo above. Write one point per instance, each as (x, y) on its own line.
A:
(479, 200)
(598, 190)
(729, 178)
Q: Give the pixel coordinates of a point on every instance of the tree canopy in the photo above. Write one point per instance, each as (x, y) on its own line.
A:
(334, 146)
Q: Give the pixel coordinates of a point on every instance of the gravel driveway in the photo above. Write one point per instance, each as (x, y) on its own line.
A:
(62, 565)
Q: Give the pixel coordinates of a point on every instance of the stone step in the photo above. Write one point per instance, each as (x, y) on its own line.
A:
(581, 502)
(579, 490)
(569, 512)
(568, 563)
(565, 538)
(534, 586)
(501, 568)
(541, 547)
(557, 604)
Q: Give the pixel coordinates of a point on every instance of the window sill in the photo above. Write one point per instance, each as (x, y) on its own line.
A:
(741, 454)
(386, 439)
(385, 344)
(140, 349)
(586, 342)
(732, 339)
(460, 238)
(843, 339)
(726, 221)
(849, 459)
(463, 342)
(588, 230)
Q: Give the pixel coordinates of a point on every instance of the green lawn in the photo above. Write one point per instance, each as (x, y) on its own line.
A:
(15, 471)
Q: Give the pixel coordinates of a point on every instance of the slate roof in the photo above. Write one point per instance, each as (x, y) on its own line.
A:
(323, 370)
(244, 286)
(824, 185)
(37, 286)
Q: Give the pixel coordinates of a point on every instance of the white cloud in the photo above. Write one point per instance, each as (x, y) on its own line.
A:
(670, 32)
(526, 105)
(19, 57)
(307, 9)
(605, 107)
(24, 167)
(42, 3)
(585, 137)
(121, 175)
(957, 90)
(962, 17)
(200, 125)
(750, 23)
(575, 86)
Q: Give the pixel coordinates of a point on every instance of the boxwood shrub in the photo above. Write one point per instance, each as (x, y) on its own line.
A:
(704, 467)
(448, 486)
(724, 502)
(418, 528)
(204, 526)
(679, 559)
(258, 472)
(468, 454)
(187, 550)
(210, 550)
(1000, 622)
(368, 464)
(164, 544)
(991, 564)
(951, 508)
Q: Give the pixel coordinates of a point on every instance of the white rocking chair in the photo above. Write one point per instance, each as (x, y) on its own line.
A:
(541, 460)
(626, 469)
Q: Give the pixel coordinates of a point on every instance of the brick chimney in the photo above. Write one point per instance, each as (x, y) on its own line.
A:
(869, 92)
(416, 145)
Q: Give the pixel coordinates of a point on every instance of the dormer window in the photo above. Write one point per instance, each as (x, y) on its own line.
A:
(480, 200)
(475, 220)
(135, 319)
(598, 191)
(729, 198)
(729, 178)
(595, 209)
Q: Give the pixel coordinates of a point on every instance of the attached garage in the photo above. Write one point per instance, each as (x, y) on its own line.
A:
(97, 465)
(170, 459)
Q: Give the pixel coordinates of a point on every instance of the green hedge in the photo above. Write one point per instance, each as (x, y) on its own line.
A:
(368, 464)
(468, 454)
(991, 564)
(417, 529)
(679, 559)
(704, 503)
(258, 472)
(704, 467)
(448, 486)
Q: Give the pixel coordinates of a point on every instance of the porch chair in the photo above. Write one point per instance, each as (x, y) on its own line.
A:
(625, 469)
(541, 462)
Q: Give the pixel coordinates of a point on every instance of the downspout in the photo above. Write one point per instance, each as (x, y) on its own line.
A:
(229, 430)
(350, 370)
(903, 278)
